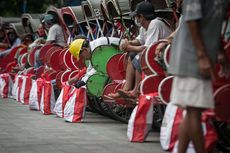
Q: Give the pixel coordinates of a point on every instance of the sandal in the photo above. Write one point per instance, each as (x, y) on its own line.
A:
(126, 94)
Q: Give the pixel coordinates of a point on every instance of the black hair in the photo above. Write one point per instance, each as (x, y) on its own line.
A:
(85, 43)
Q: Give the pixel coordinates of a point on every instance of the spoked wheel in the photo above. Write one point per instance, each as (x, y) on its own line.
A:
(93, 105)
(223, 130)
(119, 112)
(158, 114)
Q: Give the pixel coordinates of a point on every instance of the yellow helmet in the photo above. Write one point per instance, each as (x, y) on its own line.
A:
(75, 47)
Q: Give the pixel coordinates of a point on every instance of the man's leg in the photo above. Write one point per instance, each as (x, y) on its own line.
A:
(130, 76)
(195, 128)
(183, 135)
(138, 79)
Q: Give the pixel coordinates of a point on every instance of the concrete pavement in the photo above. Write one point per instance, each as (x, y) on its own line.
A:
(25, 131)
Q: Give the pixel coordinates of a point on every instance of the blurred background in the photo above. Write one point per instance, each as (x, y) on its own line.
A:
(18, 7)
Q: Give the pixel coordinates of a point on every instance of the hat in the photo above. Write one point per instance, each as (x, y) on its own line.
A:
(48, 18)
(144, 8)
(75, 47)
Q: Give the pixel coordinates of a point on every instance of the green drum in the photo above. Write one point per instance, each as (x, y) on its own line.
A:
(101, 56)
(96, 83)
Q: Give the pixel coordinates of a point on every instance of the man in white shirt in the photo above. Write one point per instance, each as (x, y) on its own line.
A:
(152, 29)
(56, 33)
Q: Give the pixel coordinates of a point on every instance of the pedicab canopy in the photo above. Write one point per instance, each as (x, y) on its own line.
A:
(9, 20)
(104, 10)
(118, 8)
(91, 9)
(78, 13)
(133, 4)
(18, 27)
(57, 12)
(31, 22)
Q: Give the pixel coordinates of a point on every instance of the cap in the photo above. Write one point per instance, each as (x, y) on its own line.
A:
(145, 8)
(48, 18)
(75, 47)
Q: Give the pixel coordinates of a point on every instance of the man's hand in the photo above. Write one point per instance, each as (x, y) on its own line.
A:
(205, 66)
(123, 45)
(160, 47)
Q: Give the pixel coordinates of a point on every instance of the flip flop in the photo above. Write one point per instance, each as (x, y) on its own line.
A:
(126, 94)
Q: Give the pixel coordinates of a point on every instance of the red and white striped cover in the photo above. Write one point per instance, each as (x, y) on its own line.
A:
(210, 137)
(62, 99)
(25, 90)
(140, 122)
(35, 94)
(169, 127)
(75, 107)
(15, 86)
(47, 99)
(6, 84)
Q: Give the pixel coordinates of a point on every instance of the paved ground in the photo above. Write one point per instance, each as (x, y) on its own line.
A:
(25, 131)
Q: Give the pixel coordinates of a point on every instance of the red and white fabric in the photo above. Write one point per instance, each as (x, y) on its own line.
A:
(169, 127)
(35, 94)
(47, 99)
(15, 86)
(62, 99)
(25, 90)
(210, 137)
(75, 107)
(140, 122)
(6, 84)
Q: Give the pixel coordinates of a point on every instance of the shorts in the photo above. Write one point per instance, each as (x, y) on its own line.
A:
(132, 55)
(136, 63)
(192, 92)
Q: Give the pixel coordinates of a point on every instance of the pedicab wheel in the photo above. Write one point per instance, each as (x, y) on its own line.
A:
(109, 88)
(96, 83)
(43, 51)
(223, 131)
(31, 55)
(166, 55)
(159, 111)
(79, 64)
(222, 120)
(164, 89)
(118, 111)
(68, 61)
(65, 76)
(222, 97)
(62, 59)
(58, 79)
(112, 69)
(73, 74)
(53, 60)
(101, 56)
(122, 64)
(152, 61)
(150, 84)
(144, 66)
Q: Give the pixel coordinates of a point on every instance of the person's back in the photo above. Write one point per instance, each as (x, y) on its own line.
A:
(56, 34)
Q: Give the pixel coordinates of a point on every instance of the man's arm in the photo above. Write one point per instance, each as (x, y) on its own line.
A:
(204, 62)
